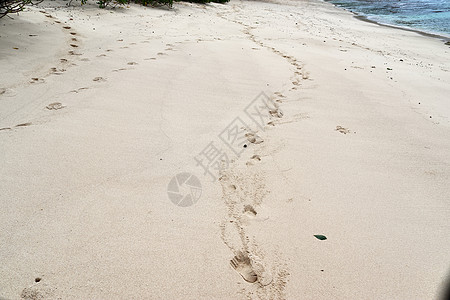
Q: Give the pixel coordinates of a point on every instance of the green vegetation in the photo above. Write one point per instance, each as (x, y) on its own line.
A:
(14, 6)
(204, 1)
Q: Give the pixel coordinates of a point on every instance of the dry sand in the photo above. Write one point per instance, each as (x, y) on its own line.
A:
(102, 108)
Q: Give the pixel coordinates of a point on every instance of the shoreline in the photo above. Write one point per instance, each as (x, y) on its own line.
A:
(445, 39)
(359, 16)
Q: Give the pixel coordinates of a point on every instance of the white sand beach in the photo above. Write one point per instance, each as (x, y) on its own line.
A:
(101, 108)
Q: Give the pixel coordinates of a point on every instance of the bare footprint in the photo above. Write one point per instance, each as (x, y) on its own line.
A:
(55, 71)
(249, 210)
(23, 125)
(73, 53)
(132, 63)
(342, 130)
(99, 79)
(242, 264)
(256, 157)
(7, 92)
(276, 113)
(254, 138)
(36, 80)
(79, 89)
(280, 94)
(54, 106)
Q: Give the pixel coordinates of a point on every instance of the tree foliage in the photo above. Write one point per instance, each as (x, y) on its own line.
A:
(13, 6)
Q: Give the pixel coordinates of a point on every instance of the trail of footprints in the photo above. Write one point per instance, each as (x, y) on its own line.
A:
(299, 73)
(65, 62)
(243, 194)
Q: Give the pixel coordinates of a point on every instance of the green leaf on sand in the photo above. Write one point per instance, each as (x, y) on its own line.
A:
(320, 237)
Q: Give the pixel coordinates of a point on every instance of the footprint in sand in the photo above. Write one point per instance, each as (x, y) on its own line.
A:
(242, 264)
(23, 124)
(79, 89)
(254, 138)
(132, 63)
(121, 69)
(342, 130)
(38, 290)
(71, 52)
(66, 27)
(279, 94)
(7, 92)
(276, 113)
(54, 106)
(36, 80)
(250, 211)
(255, 158)
(99, 79)
(55, 71)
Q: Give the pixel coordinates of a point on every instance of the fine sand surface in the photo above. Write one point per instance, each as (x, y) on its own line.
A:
(100, 109)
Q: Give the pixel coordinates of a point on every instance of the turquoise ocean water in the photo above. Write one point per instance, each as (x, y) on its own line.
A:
(431, 16)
